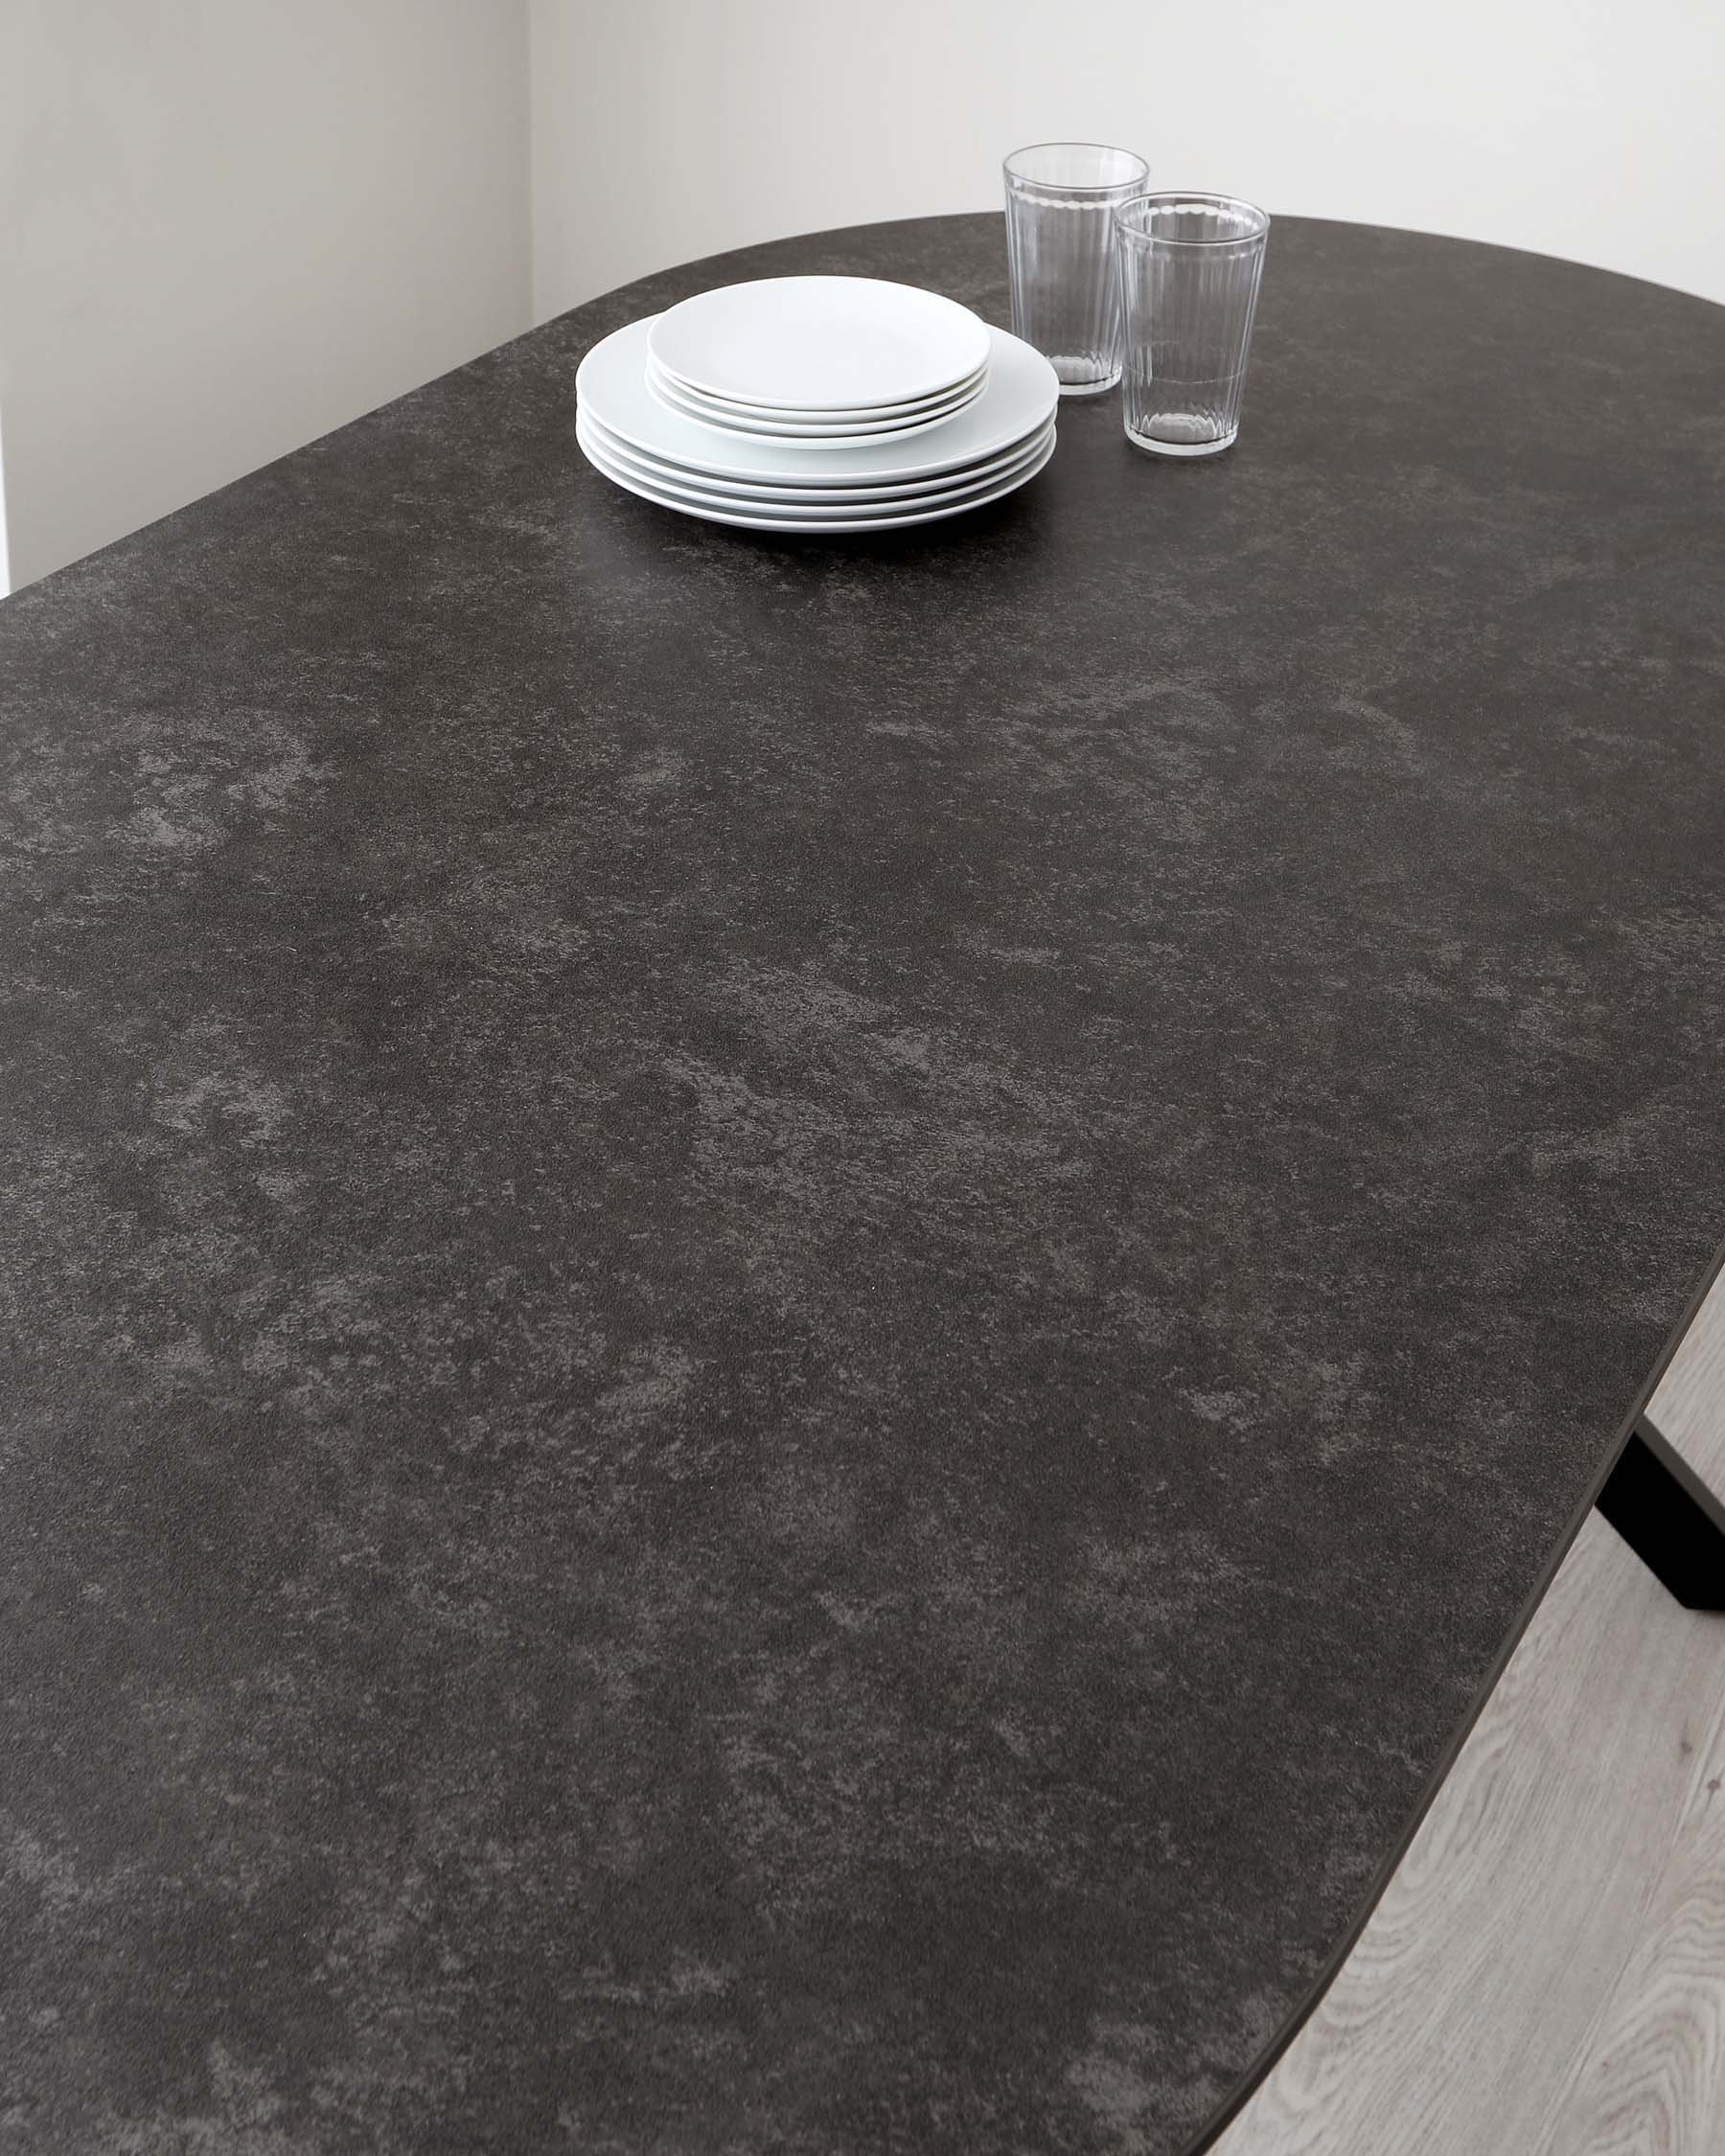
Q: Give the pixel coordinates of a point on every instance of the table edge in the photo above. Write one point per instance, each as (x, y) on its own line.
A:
(1262, 2068)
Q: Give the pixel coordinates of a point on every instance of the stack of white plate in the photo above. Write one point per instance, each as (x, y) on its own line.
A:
(817, 405)
(833, 359)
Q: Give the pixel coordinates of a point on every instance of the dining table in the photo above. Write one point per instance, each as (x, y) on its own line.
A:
(792, 1322)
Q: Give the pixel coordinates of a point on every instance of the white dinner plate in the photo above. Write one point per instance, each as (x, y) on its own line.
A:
(753, 519)
(618, 464)
(857, 414)
(769, 494)
(1022, 395)
(819, 342)
(836, 437)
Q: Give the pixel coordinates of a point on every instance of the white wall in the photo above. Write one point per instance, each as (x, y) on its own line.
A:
(4, 561)
(666, 129)
(229, 226)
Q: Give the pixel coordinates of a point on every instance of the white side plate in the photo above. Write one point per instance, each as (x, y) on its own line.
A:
(820, 342)
(855, 415)
(839, 437)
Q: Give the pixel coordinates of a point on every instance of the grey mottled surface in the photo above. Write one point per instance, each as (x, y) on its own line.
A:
(787, 1321)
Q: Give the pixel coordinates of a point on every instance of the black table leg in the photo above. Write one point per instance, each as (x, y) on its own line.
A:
(1668, 1517)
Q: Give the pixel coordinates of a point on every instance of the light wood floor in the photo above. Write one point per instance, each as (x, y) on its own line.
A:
(1545, 1974)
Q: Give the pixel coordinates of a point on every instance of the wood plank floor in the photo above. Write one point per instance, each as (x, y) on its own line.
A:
(1545, 1974)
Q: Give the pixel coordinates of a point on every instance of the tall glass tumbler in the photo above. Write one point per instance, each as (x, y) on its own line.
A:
(1060, 246)
(1189, 271)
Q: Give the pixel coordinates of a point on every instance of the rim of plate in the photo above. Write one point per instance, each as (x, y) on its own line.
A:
(814, 437)
(836, 528)
(1023, 393)
(611, 462)
(780, 421)
(977, 380)
(676, 319)
(847, 514)
(681, 475)
(839, 490)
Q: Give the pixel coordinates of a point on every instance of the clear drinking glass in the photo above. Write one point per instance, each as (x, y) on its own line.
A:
(1190, 270)
(1060, 247)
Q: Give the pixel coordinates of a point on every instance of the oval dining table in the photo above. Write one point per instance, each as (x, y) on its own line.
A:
(792, 1322)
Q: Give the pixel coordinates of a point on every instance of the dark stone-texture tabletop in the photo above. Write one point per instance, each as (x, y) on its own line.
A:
(788, 1322)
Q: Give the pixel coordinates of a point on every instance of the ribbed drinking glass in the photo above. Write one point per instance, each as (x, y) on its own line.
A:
(1189, 271)
(1060, 247)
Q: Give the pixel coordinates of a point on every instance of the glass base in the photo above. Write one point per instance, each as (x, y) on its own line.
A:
(1159, 445)
(1095, 387)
